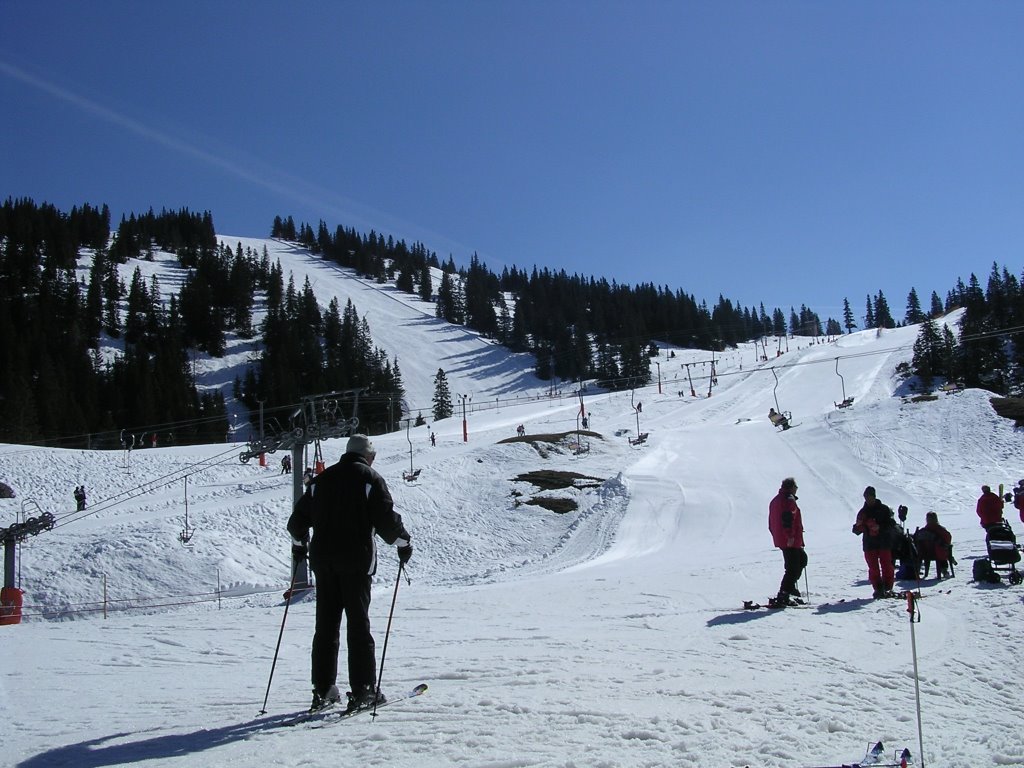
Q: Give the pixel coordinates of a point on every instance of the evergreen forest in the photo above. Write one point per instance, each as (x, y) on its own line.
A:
(63, 302)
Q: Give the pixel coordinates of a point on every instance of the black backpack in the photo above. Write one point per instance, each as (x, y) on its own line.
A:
(984, 573)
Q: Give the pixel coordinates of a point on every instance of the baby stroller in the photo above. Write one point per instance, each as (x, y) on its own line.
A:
(1003, 551)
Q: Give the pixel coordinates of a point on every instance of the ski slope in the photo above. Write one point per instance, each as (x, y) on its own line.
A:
(611, 635)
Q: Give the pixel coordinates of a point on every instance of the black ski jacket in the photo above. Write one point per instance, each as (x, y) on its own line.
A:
(877, 524)
(346, 505)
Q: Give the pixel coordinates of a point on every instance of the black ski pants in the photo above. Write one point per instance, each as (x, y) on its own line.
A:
(795, 560)
(348, 594)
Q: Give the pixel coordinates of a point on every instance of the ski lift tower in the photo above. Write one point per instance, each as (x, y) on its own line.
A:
(10, 595)
(318, 418)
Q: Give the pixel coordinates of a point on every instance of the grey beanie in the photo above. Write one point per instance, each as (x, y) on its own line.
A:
(360, 444)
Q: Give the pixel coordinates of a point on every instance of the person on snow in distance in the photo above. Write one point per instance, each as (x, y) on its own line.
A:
(787, 529)
(877, 526)
(990, 507)
(1018, 499)
(346, 505)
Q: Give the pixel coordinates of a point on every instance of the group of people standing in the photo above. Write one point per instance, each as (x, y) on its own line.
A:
(876, 526)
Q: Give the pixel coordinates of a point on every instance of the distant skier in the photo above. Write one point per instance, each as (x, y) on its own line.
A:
(787, 529)
(286, 465)
(346, 505)
(433, 440)
(876, 524)
(79, 497)
(778, 419)
(989, 508)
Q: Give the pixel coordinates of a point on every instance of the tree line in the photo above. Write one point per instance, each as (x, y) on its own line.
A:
(87, 361)
(64, 307)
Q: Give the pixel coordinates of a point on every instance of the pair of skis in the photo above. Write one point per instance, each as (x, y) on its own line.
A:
(333, 713)
(775, 604)
(875, 757)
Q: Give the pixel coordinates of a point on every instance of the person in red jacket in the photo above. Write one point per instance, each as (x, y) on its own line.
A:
(934, 542)
(787, 529)
(877, 526)
(990, 507)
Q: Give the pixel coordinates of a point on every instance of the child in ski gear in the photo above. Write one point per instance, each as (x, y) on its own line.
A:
(787, 529)
(990, 507)
(875, 523)
(346, 505)
(934, 542)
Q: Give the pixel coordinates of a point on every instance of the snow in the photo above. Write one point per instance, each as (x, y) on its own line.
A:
(611, 635)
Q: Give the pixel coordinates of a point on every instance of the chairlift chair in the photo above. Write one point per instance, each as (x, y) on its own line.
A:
(847, 401)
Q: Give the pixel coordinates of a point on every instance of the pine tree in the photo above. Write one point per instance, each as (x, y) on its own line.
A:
(914, 314)
(927, 360)
(426, 288)
(883, 317)
(442, 396)
(848, 322)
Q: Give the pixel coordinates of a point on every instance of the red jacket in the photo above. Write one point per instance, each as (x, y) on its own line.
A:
(784, 521)
(990, 509)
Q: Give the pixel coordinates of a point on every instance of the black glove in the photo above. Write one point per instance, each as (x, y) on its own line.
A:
(405, 554)
(298, 551)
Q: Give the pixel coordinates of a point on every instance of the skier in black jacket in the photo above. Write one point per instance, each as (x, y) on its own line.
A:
(346, 505)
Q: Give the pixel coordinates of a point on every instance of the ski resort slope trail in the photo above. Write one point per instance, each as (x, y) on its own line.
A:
(700, 485)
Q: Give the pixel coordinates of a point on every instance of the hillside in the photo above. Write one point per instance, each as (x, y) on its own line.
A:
(398, 321)
(609, 635)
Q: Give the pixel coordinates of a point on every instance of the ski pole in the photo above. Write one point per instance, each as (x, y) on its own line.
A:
(387, 633)
(287, 602)
(911, 609)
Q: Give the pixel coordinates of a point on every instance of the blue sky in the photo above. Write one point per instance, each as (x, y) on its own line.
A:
(775, 152)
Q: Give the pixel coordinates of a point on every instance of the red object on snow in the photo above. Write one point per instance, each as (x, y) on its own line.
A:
(10, 605)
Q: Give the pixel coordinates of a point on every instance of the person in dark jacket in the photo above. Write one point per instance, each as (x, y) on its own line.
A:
(1018, 499)
(876, 524)
(787, 529)
(989, 508)
(346, 505)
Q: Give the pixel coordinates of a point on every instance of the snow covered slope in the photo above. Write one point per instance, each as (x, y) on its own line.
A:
(611, 635)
